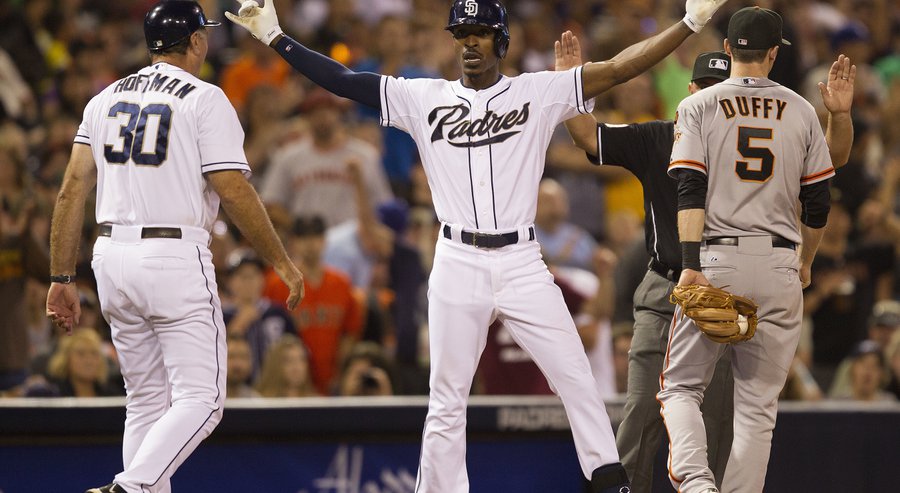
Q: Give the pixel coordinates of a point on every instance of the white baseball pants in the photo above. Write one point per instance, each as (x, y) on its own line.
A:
(469, 288)
(160, 299)
(760, 366)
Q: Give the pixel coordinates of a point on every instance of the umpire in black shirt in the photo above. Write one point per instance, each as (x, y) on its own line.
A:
(644, 149)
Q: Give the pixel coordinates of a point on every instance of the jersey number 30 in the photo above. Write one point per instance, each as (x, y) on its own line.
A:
(748, 151)
(132, 134)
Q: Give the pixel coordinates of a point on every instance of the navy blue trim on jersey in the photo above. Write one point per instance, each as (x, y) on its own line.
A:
(82, 143)
(579, 100)
(82, 136)
(362, 87)
(223, 162)
(384, 103)
(471, 180)
(218, 371)
(487, 107)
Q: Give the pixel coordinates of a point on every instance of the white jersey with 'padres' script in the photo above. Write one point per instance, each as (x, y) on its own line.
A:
(483, 150)
(153, 135)
(758, 142)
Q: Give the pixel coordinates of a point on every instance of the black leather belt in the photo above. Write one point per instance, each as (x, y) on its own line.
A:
(106, 230)
(485, 240)
(777, 242)
(664, 270)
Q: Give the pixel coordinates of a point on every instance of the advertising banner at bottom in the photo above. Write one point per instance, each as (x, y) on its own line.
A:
(528, 466)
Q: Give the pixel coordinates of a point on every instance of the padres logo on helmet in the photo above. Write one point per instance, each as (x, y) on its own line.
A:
(490, 13)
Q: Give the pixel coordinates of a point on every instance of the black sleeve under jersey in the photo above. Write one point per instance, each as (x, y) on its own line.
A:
(692, 187)
(816, 202)
(363, 87)
(635, 146)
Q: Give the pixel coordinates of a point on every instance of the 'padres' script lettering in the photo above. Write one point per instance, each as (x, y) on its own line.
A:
(758, 107)
(154, 82)
(461, 130)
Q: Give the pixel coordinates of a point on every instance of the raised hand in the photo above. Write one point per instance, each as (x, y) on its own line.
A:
(567, 51)
(837, 94)
(699, 12)
(262, 22)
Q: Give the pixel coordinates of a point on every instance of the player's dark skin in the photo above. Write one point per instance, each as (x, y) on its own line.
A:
(475, 51)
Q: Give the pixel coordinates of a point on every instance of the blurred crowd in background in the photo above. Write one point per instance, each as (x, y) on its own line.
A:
(353, 205)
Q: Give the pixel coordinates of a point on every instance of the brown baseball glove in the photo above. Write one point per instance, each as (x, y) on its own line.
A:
(721, 316)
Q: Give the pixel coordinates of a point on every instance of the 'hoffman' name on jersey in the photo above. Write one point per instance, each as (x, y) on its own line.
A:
(496, 127)
(155, 82)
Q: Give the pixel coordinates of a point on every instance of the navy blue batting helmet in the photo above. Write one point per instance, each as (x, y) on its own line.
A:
(490, 13)
(169, 22)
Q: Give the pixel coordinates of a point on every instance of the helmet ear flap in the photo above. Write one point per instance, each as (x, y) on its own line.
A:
(501, 43)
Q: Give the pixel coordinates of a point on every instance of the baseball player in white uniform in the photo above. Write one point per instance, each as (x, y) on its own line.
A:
(745, 150)
(482, 140)
(167, 147)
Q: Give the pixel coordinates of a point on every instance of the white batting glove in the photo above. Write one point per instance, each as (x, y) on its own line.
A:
(699, 12)
(262, 22)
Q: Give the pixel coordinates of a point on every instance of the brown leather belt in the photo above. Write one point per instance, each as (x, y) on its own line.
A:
(106, 230)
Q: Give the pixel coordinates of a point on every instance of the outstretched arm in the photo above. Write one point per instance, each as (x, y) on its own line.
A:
(636, 59)
(262, 22)
(837, 95)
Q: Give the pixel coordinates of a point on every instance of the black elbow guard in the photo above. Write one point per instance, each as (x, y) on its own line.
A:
(692, 187)
(816, 202)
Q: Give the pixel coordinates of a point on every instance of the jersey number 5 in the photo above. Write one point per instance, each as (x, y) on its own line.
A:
(748, 151)
(133, 132)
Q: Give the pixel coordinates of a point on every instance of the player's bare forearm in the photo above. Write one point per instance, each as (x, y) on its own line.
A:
(690, 224)
(632, 61)
(811, 237)
(839, 137)
(246, 210)
(583, 130)
(68, 214)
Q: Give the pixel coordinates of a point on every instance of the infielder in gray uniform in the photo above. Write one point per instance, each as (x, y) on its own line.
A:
(745, 151)
(644, 149)
(483, 139)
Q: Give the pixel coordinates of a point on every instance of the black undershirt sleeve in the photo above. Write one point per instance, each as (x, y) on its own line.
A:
(363, 87)
(692, 186)
(816, 202)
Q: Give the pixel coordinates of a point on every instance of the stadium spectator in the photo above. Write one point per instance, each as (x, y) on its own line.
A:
(248, 313)
(285, 370)
(328, 319)
(240, 369)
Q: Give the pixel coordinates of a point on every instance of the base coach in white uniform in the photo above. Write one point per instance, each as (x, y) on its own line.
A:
(167, 148)
(482, 140)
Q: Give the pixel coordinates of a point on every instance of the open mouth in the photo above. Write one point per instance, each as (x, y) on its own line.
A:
(471, 58)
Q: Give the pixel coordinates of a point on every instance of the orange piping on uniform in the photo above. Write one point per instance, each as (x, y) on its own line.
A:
(816, 175)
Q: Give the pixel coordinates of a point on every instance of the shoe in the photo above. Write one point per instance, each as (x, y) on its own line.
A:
(610, 478)
(110, 488)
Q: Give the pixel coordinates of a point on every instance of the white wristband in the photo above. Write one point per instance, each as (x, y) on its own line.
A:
(692, 23)
(271, 34)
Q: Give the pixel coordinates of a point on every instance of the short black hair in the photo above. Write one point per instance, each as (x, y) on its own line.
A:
(748, 56)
